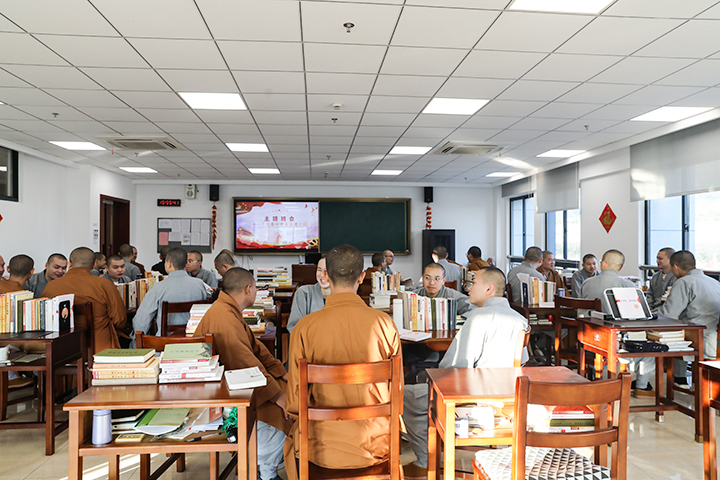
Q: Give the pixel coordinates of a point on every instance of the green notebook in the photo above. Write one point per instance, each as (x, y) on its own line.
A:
(124, 355)
(187, 352)
(162, 420)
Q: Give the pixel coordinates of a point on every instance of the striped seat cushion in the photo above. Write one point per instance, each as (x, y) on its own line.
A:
(541, 464)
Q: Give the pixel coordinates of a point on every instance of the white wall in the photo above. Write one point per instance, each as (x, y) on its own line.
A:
(470, 211)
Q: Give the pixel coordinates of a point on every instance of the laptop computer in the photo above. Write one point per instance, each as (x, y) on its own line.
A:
(628, 303)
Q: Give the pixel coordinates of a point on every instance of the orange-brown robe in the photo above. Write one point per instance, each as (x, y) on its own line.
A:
(553, 276)
(7, 286)
(346, 330)
(477, 264)
(108, 309)
(238, 348)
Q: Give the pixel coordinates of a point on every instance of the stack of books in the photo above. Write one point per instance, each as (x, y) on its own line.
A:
(190, 362)
(674, 340)
(424, 314)
(385, 283)
(197, 312)
(469, 277)
(544, 418)
(133, 293)
(117, 366)
(263, 300)
(273, 277)
(537, 292)
(20, 312)
(245, 378)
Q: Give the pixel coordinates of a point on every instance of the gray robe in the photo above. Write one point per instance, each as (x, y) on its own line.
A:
(578, 279)
(595, 287)
(514, 281)
(306, 300)
(658, 287)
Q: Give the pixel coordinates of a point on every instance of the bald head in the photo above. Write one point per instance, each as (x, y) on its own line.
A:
(495, 276)
(613, 259)
(683, 260)
(236, 280)
(126, 250)
(224, 262)
(344, 265)
(533, 255)
(20, 267)
(82, 257)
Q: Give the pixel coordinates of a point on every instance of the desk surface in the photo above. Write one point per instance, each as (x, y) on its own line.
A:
(662, 323)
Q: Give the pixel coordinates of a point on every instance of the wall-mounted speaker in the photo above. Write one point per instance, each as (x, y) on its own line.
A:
(214, 193)
(428, 194)
(190, 191)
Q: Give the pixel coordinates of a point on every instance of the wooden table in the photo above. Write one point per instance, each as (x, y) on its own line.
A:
(452, 386)
(185, 395)
(710, 394)
(541, 312)
(440, 340)
(601, 337)
(60, 349)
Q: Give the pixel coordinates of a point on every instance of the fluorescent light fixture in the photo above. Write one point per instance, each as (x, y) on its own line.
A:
(247, 147)
(561, 6)
(213, 101)
(386, 172)
(409, 150)
(264, 171)
(3, 169)
(670, 114)
(502, 174)
(138, 169)
(1, 103)
(561, 153)
(454, 106)
(78, 145)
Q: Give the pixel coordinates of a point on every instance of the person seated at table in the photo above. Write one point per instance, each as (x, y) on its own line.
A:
(116, 270)
(453, 271)
(108, 308)
(195, 269)
(160, 266)
(433, 285)
(55, 268)
(310, 298)
(378, 264)
(588, 270)
(475, 261)
(20, 268)
(694, 297)
(224, 261)
(662, 281)
(389, 259)
(134, 261)
(238, 348)
(487, 340)
(547, 270)
(100, 264)
(2, 266)
(131, 270)
(346, 330)
(178, 286)
(532, 260)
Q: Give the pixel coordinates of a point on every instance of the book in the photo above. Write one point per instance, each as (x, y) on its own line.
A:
(215, 376)
(97, 382)
(245, 378)
(124, 355)
(187, 352)
(414, 336)
(151, 370)
(159, 421)
(176, 368)
(129, 437)
(115, 366)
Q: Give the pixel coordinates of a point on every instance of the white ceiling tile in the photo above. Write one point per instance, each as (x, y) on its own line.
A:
(442, 27)
(491, 121)
(515, 136)
(705, 73)
(472, 134)
(543, 124)
(564, 67)
(53, 77)
(178, 127)
(658, 8)
(131, 128)
(270, 56)
(694, 39)
(9, 80)
(270, 82)
(280, 118)
(453, 121)
(194, 137)
(370, 131)
(143, 79)
(421, 61)
(285, 130)
(333, 130)
(658, 95)
(32, 126)
(535, 90)
(151, 99)
(331, 140)
(620, 36)
(618, 112)
(463, 87)
(510, 108)
(537, 32)
(83, 127)
(641, 70)
(584, 125)
(275, 101)
(94, 51)
(7, 26)
(168, 115)
(332, 150)
(251, 19)
(102, 114)
(706, 98)
(48, 16)
(323, 22)
(138, 18)
(600, 93)
(340, 83)
(431, 133)
(631, 127)
(201, 148)
(9, 112)
(224, 116)
(86, 98)
(713, 12)
(26, 96)
(565, 110)
(326, 118)
(48, 113)
(343, 58)
(213, 81)
(495, 64)
(26, 50)
(181, 54)
(411, 86)
(563, 136)
(324, 103)
(388, 119)
(231, 128)
(380, 104)
(383, 142)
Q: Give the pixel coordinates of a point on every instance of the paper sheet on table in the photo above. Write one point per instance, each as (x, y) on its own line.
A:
(628, 303)
(164, 223)
(175, 237)
(185, 239)
(205, 239)
(205, 226)
(163, 238)
(195, 238)
(185, 225)
(195, 225)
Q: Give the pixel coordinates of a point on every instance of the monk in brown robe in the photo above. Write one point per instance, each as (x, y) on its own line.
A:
(238, 348)
(346, 330)
(547, 270)
(108, 309)
(475, 261)
(20, 268)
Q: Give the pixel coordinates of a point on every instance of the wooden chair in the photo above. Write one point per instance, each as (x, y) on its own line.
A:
(365, 288)
(83, 315)
(175, 307)
(522, 342)
(388, 371)
(493, 464)
(452, 284)
(509, 292)
(563, 321)
(21, 383)
(282, 336)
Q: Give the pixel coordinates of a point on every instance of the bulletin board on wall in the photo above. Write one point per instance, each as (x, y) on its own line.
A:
(186, 233)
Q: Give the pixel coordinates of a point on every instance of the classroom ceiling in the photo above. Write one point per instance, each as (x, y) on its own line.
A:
(86, 70)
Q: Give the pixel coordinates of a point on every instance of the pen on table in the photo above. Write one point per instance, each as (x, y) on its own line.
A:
(211, 434)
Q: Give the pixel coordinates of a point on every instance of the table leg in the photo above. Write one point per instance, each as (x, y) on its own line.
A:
(581, 359)
(708, 420)
(49, 400)
(433, 444)
(670, 378)
(659, 385)
(75, 429)
(449, 441)
(695, 382)
(214, 464)
(113, 467)
(145, 464)
(599, 367)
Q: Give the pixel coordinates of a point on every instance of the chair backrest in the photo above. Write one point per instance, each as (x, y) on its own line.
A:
(365, 288)
(175, 307)
(523, 340)
(159, 343)
(452, 284)
(597, 395)
(575, 303)
(509, 292)
(388, 371)
(85, 311)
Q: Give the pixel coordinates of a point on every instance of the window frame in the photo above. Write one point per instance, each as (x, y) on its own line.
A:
(14, 177)
(523, 199)
(684, 227)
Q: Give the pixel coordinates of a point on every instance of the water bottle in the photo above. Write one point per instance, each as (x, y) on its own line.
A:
(102, 427)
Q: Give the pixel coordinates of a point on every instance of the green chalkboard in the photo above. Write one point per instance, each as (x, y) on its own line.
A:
(372, 225)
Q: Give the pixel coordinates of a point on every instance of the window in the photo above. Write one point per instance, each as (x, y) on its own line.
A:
(8, 175)
(522, 231)
(562, 234)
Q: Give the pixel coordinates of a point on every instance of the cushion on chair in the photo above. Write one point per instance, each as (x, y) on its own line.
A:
(541, 464)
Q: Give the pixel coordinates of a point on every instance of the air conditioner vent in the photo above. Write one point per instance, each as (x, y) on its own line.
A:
(141, 143)
(462, 148)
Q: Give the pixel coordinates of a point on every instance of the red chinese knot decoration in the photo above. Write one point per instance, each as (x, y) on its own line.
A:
(214, 224)
(428, 217)
(607, 218)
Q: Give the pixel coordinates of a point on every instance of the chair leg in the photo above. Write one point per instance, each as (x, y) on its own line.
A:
(181, 463)
(3, 395)
(40, 391)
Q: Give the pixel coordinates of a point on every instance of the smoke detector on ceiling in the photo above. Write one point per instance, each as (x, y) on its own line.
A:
(464, 148)
(142, 143)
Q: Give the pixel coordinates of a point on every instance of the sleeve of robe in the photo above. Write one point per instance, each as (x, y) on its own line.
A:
(115, 308)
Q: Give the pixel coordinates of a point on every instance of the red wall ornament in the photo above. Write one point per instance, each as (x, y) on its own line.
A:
(607, 218)
(214, 225)
(428, 217)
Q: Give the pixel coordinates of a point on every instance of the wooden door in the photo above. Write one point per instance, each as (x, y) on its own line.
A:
(114, 224)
